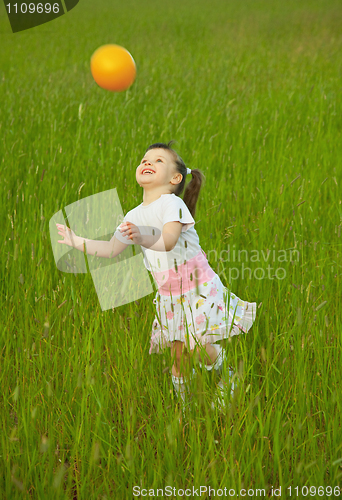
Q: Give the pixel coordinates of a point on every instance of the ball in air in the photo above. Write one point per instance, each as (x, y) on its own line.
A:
(113, 68)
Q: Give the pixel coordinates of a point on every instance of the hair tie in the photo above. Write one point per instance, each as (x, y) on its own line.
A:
(188, 170)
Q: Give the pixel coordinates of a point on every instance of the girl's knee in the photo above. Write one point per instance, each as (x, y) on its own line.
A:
(206, 354)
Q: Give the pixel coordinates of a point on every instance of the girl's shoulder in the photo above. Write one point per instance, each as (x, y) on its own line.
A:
(173, 203)
(172, 199)
(175, 209)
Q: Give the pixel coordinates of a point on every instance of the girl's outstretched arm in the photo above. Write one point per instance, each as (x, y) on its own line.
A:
(108, 249)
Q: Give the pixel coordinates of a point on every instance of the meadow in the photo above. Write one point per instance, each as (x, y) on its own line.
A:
(251, 92)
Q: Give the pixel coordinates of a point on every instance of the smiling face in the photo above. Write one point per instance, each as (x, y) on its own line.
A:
(157, 170)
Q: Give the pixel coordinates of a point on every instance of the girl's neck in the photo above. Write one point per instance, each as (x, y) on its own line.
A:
(150, 196)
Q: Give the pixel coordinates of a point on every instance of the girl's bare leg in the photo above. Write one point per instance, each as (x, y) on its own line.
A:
(181, 375)
(180, 356)
(210, 357)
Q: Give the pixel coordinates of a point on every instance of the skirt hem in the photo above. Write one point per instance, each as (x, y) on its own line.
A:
(160, 340)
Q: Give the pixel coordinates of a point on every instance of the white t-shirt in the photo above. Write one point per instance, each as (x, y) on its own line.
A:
(167, 208)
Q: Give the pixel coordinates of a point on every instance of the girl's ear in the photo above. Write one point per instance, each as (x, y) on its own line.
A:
(177, 179)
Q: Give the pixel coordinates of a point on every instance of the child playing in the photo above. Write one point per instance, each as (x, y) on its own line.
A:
(193, 308)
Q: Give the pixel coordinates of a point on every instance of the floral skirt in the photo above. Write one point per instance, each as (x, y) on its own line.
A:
(200, 316)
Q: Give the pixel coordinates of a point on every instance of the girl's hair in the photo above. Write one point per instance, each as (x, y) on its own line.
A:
(193, 188)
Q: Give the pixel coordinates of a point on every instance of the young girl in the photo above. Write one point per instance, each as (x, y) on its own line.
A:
(193, 308)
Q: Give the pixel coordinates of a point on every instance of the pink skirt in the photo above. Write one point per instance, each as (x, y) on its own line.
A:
(205, 313)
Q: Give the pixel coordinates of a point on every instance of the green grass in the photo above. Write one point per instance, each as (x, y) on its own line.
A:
(251, 92)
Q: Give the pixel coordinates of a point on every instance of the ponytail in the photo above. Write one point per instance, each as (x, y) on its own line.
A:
(193, 188)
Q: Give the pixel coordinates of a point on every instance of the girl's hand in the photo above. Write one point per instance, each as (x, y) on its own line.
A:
(131, 232)
(67, 233)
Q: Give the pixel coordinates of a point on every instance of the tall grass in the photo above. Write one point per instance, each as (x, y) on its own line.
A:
(251, 92)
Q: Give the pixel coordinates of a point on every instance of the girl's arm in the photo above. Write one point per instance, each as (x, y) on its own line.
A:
(108, 249)
(163, 242)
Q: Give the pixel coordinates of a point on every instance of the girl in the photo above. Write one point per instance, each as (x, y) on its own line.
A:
(193, 308)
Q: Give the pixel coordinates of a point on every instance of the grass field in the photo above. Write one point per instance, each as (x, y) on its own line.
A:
(251, 92)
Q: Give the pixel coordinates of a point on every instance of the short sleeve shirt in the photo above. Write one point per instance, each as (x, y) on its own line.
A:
(167, 208)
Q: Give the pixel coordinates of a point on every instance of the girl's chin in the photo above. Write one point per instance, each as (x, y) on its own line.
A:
(145, 184)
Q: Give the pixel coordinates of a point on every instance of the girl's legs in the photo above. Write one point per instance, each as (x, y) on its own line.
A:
(212, 351)
(215, 358)
(180, 369)
(180, 358)
(228, 380)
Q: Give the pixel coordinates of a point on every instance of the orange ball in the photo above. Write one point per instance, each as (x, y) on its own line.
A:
(113, 68)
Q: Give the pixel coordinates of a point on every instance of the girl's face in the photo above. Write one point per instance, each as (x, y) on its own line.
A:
(157, 169)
